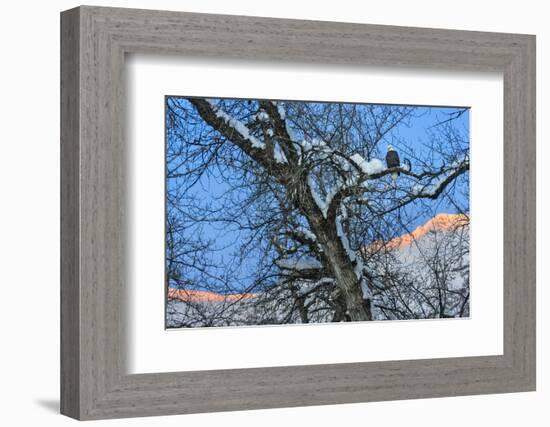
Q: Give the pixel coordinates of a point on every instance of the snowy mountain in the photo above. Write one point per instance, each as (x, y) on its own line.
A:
(421, 274)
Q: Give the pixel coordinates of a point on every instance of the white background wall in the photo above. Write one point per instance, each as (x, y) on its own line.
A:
(29, 212)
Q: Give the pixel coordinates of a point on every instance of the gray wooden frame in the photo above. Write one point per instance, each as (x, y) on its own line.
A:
(94, 41)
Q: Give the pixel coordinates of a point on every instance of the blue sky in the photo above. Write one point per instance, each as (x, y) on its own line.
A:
(406, 137)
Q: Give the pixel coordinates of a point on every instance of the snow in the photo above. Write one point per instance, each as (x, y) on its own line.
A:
(417, 189)
(279, 154)
(458, 163)
(342, 162)
(281, 110)
(356, 260)
(262, 116)
(413, 263)
(319, 200)
(367, 293)
(282, 113)
(418, 256)
(304, 263)
(315, 143)
(269, 132)
(331, 193)
(307, 287)
(323, 203)
(238, 126)
(432, 191)
(368, 167)
(343, 236)
(307, 233)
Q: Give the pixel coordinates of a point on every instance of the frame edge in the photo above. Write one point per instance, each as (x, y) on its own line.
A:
(70, 389)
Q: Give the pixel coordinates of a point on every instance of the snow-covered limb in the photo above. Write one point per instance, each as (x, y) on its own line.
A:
(320, 201)
(280, 109)
(279, 154)
(424, 188)
(304, 238)
(355, 259)
(280, 129)
(262, 116)
(353, 171)
(302, 263)
(237, 125)
(368, 167)
(316, 144)
(457, 168)
(324, 202)
(432, 190)
(308, 287)
(344, 237)
(306, 233)
(274, 160)
(461, 165)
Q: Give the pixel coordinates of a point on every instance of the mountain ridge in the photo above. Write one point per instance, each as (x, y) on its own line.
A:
(440, 222)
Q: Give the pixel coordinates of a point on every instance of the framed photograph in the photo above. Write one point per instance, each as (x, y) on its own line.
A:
(288, 212)
(261, 213)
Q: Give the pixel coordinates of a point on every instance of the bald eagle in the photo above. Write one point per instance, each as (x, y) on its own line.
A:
(392, 161)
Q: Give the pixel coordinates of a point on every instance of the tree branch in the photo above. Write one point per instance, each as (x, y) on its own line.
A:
(358, 188)
(237, 132)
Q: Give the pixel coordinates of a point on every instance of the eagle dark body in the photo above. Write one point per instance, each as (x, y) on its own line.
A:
(392, 160)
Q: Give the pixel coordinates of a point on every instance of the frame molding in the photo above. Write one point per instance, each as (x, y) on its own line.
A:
(94, 41)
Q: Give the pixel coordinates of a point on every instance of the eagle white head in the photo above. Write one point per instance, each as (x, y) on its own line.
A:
(390, 148)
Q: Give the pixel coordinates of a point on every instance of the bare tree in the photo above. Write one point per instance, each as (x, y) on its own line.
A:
(304, 186)
(426, 278)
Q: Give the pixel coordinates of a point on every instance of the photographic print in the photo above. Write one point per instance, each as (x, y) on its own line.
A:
(293, 212)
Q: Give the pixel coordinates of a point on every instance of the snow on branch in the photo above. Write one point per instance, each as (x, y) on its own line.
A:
(355, 259)
(271, 153)
(303, 263)
(280, 130)
(432, 190)
(306, 234)
(237, 125)
(305, 237)
(425, 187)
(353, 172)
(262, 116)
(281, 110)
(279, 154)
(368, 167)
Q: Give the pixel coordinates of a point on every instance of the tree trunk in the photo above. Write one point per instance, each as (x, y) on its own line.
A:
(342, 267)
(336, 259)
(300, 304)
(346, 279)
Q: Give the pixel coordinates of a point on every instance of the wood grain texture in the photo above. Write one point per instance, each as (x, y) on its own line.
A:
(94, 382)
(70, 313)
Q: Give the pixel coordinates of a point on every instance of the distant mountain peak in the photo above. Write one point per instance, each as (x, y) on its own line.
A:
(205, 296)
(440, 222)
